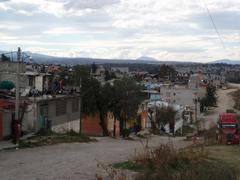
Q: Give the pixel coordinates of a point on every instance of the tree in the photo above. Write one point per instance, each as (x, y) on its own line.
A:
(107, 76)
(165, 115)
(126, 101)
(211, 95)
(210, 98)
(166, 70)
(4, 58)
(122, 98)
(80, 71)
(94, 68)
(105, 100)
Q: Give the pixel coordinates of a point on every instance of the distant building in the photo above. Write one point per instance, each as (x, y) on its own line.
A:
(186, 96)
(100, 71)
(29, 76)
(121, 70)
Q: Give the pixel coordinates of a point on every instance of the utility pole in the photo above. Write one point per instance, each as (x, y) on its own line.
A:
(16, 123)
(17, 85)
(80, 106)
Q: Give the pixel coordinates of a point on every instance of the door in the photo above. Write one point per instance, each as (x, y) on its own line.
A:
(43, 115)
(1, 126)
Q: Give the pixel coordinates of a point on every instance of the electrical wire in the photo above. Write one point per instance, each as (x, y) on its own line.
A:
(214, 26)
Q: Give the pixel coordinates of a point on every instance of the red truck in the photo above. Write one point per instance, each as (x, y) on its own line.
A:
(228, 129)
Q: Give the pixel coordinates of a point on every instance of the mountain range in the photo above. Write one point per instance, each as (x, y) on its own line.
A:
(45, 59)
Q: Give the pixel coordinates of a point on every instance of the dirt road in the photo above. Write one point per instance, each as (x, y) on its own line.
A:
(225, 102)
(70, 161)
(78, 161)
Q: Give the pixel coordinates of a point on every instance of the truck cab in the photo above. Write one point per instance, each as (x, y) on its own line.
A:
(228, 128)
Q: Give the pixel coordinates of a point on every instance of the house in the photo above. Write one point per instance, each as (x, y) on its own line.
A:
(100, 71)
(187, 96)
(120, 71)
(60, 113)
(29, 75)
(6, 112)
(8, 71)
(163, 104)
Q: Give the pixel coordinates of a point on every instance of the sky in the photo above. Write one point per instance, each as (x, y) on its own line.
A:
(179, 30)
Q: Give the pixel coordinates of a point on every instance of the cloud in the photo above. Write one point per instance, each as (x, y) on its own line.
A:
(168, 30)
(88, 4)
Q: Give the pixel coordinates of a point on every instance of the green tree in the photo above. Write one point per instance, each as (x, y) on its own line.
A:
(126, 101)
(211, 95)
(105, 101)
(122, 98)
(107, 76)
(165, 115)
(94, 68)
(90, 94)
(210, 98)
(79, 71)
(166, 70)
(4, 58)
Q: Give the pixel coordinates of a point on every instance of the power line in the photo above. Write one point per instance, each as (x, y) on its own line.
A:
(214, 25)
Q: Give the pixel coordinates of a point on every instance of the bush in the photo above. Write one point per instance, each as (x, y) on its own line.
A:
(48, 137)
(167, 163)
(126, 133)
(45, 132)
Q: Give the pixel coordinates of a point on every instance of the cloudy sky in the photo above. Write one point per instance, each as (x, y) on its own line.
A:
(162, 29)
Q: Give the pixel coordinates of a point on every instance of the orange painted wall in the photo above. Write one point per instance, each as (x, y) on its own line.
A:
(91, 125)
(144, 118)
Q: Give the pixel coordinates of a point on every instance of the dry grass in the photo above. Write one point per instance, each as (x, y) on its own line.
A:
(226, 153)
(110, 173)
(167, 163)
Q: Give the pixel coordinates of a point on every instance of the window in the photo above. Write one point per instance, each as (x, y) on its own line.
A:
(229, 126)
(75, 105)
(61, 108)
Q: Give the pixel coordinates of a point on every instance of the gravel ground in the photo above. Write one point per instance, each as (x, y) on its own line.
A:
(225, 102)
(76, 161)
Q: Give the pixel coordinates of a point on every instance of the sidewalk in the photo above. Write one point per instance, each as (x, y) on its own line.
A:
(7, 145)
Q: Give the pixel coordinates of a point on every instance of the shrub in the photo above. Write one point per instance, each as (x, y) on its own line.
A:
(167, 163)
(126, 133)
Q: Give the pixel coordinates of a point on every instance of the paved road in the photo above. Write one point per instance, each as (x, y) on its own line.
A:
(225, 102)
(75, 161)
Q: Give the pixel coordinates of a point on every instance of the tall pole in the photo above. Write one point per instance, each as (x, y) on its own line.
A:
(16, 124)
(17, 85)
(80, 106)
(155, 109)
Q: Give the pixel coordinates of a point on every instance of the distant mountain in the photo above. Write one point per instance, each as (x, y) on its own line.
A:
(146, 58)
(225, 61)
(45, 59)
